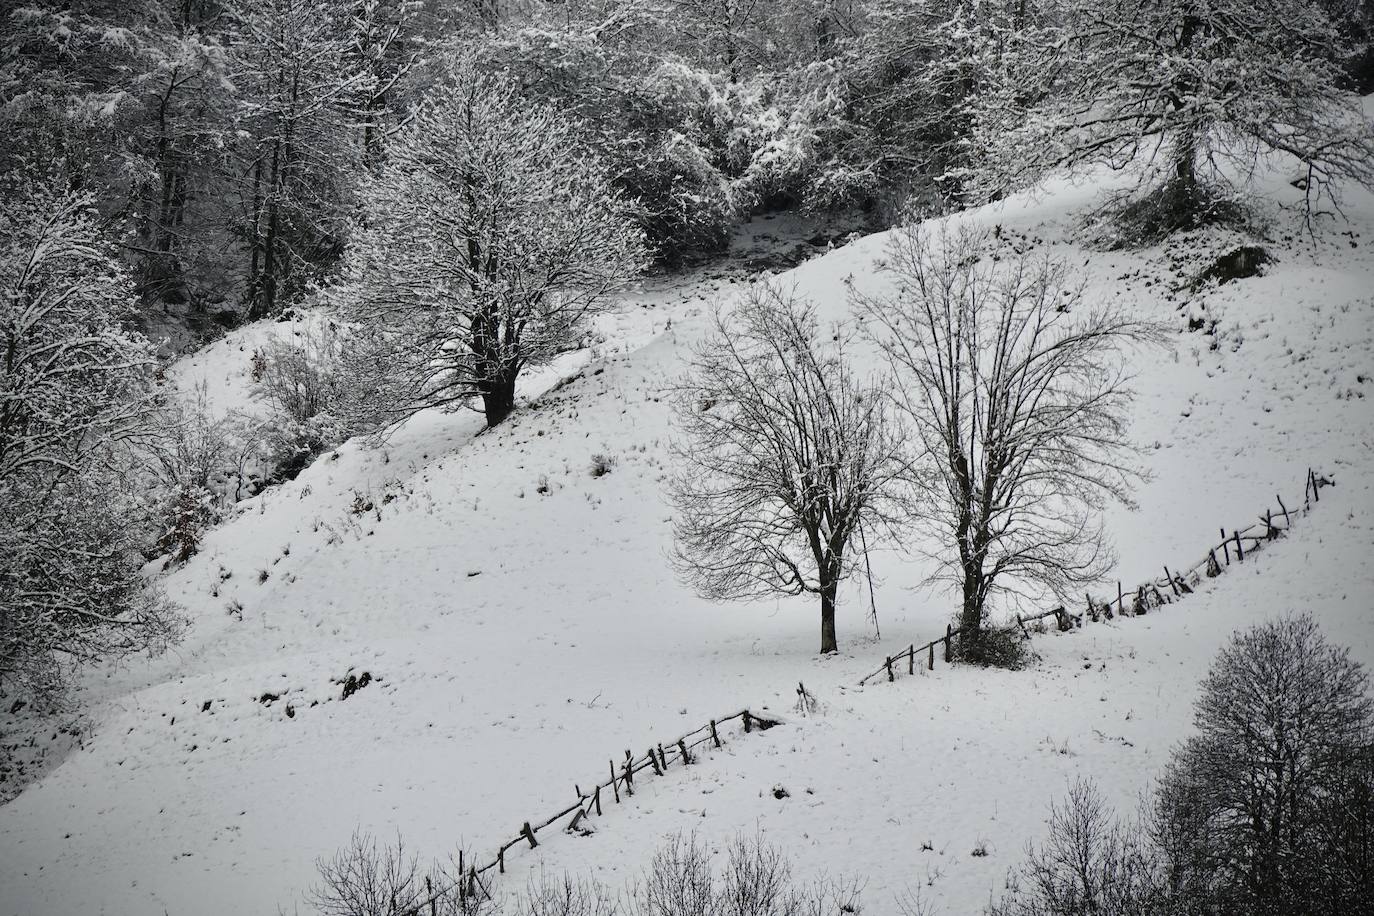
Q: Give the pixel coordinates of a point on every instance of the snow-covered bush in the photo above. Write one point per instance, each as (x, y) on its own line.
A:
(77, 406)
(299, 380)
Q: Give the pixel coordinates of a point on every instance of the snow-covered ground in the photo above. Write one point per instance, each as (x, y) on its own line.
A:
(521, 624)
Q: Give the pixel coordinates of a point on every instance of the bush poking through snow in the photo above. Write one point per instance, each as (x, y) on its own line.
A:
(994, 647)
(602, 464)
(368, 879)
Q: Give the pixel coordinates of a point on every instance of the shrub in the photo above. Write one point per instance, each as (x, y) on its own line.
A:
(994, 647)
(1090, 864)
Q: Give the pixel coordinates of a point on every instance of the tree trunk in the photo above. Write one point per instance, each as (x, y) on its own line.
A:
(498, 399)
(971, 615)
(829, 586)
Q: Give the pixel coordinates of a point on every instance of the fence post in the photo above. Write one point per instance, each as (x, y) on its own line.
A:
(1240, 549)
(1120, 599)
(472, 877)
(1270, 532)
(888, 665)
(500, 860)
(1225, 546)
(658, 770)
(614, 788)
(1284, 509)
(529, 834)
(911, 659)
(930, 662)
(714, 736)
(1213, 568)
(682, 746)
(1172, 583)
(746, 722)
(629, 773)
(1316, 487)
(596, 797)
(949, 643)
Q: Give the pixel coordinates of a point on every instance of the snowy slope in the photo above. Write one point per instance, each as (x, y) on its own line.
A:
(521, 625)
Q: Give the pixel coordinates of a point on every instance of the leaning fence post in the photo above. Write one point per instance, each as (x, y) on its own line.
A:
(528, 834)
(614, 788)
(1284, 509)
(1172, 583)
(472, 877)
(1213, 568)
(658, 770)
(1240, 550)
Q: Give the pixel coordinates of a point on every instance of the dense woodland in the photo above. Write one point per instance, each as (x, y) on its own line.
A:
(464, 184)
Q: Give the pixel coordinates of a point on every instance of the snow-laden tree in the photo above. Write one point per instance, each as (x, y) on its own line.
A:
(491, 237)
(75, 397)
(785, 454)
(1191, 91)
(1016, 390)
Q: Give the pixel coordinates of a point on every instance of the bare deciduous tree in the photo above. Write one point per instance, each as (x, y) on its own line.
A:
(786, 453)
(1269, 808)
(1014, 388)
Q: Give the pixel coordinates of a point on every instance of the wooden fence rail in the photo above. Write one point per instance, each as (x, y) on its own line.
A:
(1153, 593)
(618, 787)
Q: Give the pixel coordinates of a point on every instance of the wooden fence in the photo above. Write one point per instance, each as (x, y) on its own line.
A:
(615, 789)
(1175, 584)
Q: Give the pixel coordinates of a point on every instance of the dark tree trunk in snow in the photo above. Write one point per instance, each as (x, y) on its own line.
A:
(498, 399)
(828, 641)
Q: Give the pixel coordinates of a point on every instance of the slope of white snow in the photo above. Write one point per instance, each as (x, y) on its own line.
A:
(521, 625)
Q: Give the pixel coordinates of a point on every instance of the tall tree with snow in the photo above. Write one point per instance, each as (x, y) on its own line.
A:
(1016, 393)
(492, 236)
(75, 396)
(786, 453)
(1191, 92)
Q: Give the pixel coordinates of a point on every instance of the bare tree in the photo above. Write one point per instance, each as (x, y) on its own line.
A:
(786, 453)
(1015, 390)
(1269, 808)
(493, 235)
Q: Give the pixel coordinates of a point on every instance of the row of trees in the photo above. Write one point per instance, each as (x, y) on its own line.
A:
(227, 143)
(997, 431)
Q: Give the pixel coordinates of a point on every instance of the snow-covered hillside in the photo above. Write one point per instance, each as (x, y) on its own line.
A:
(521, 625)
